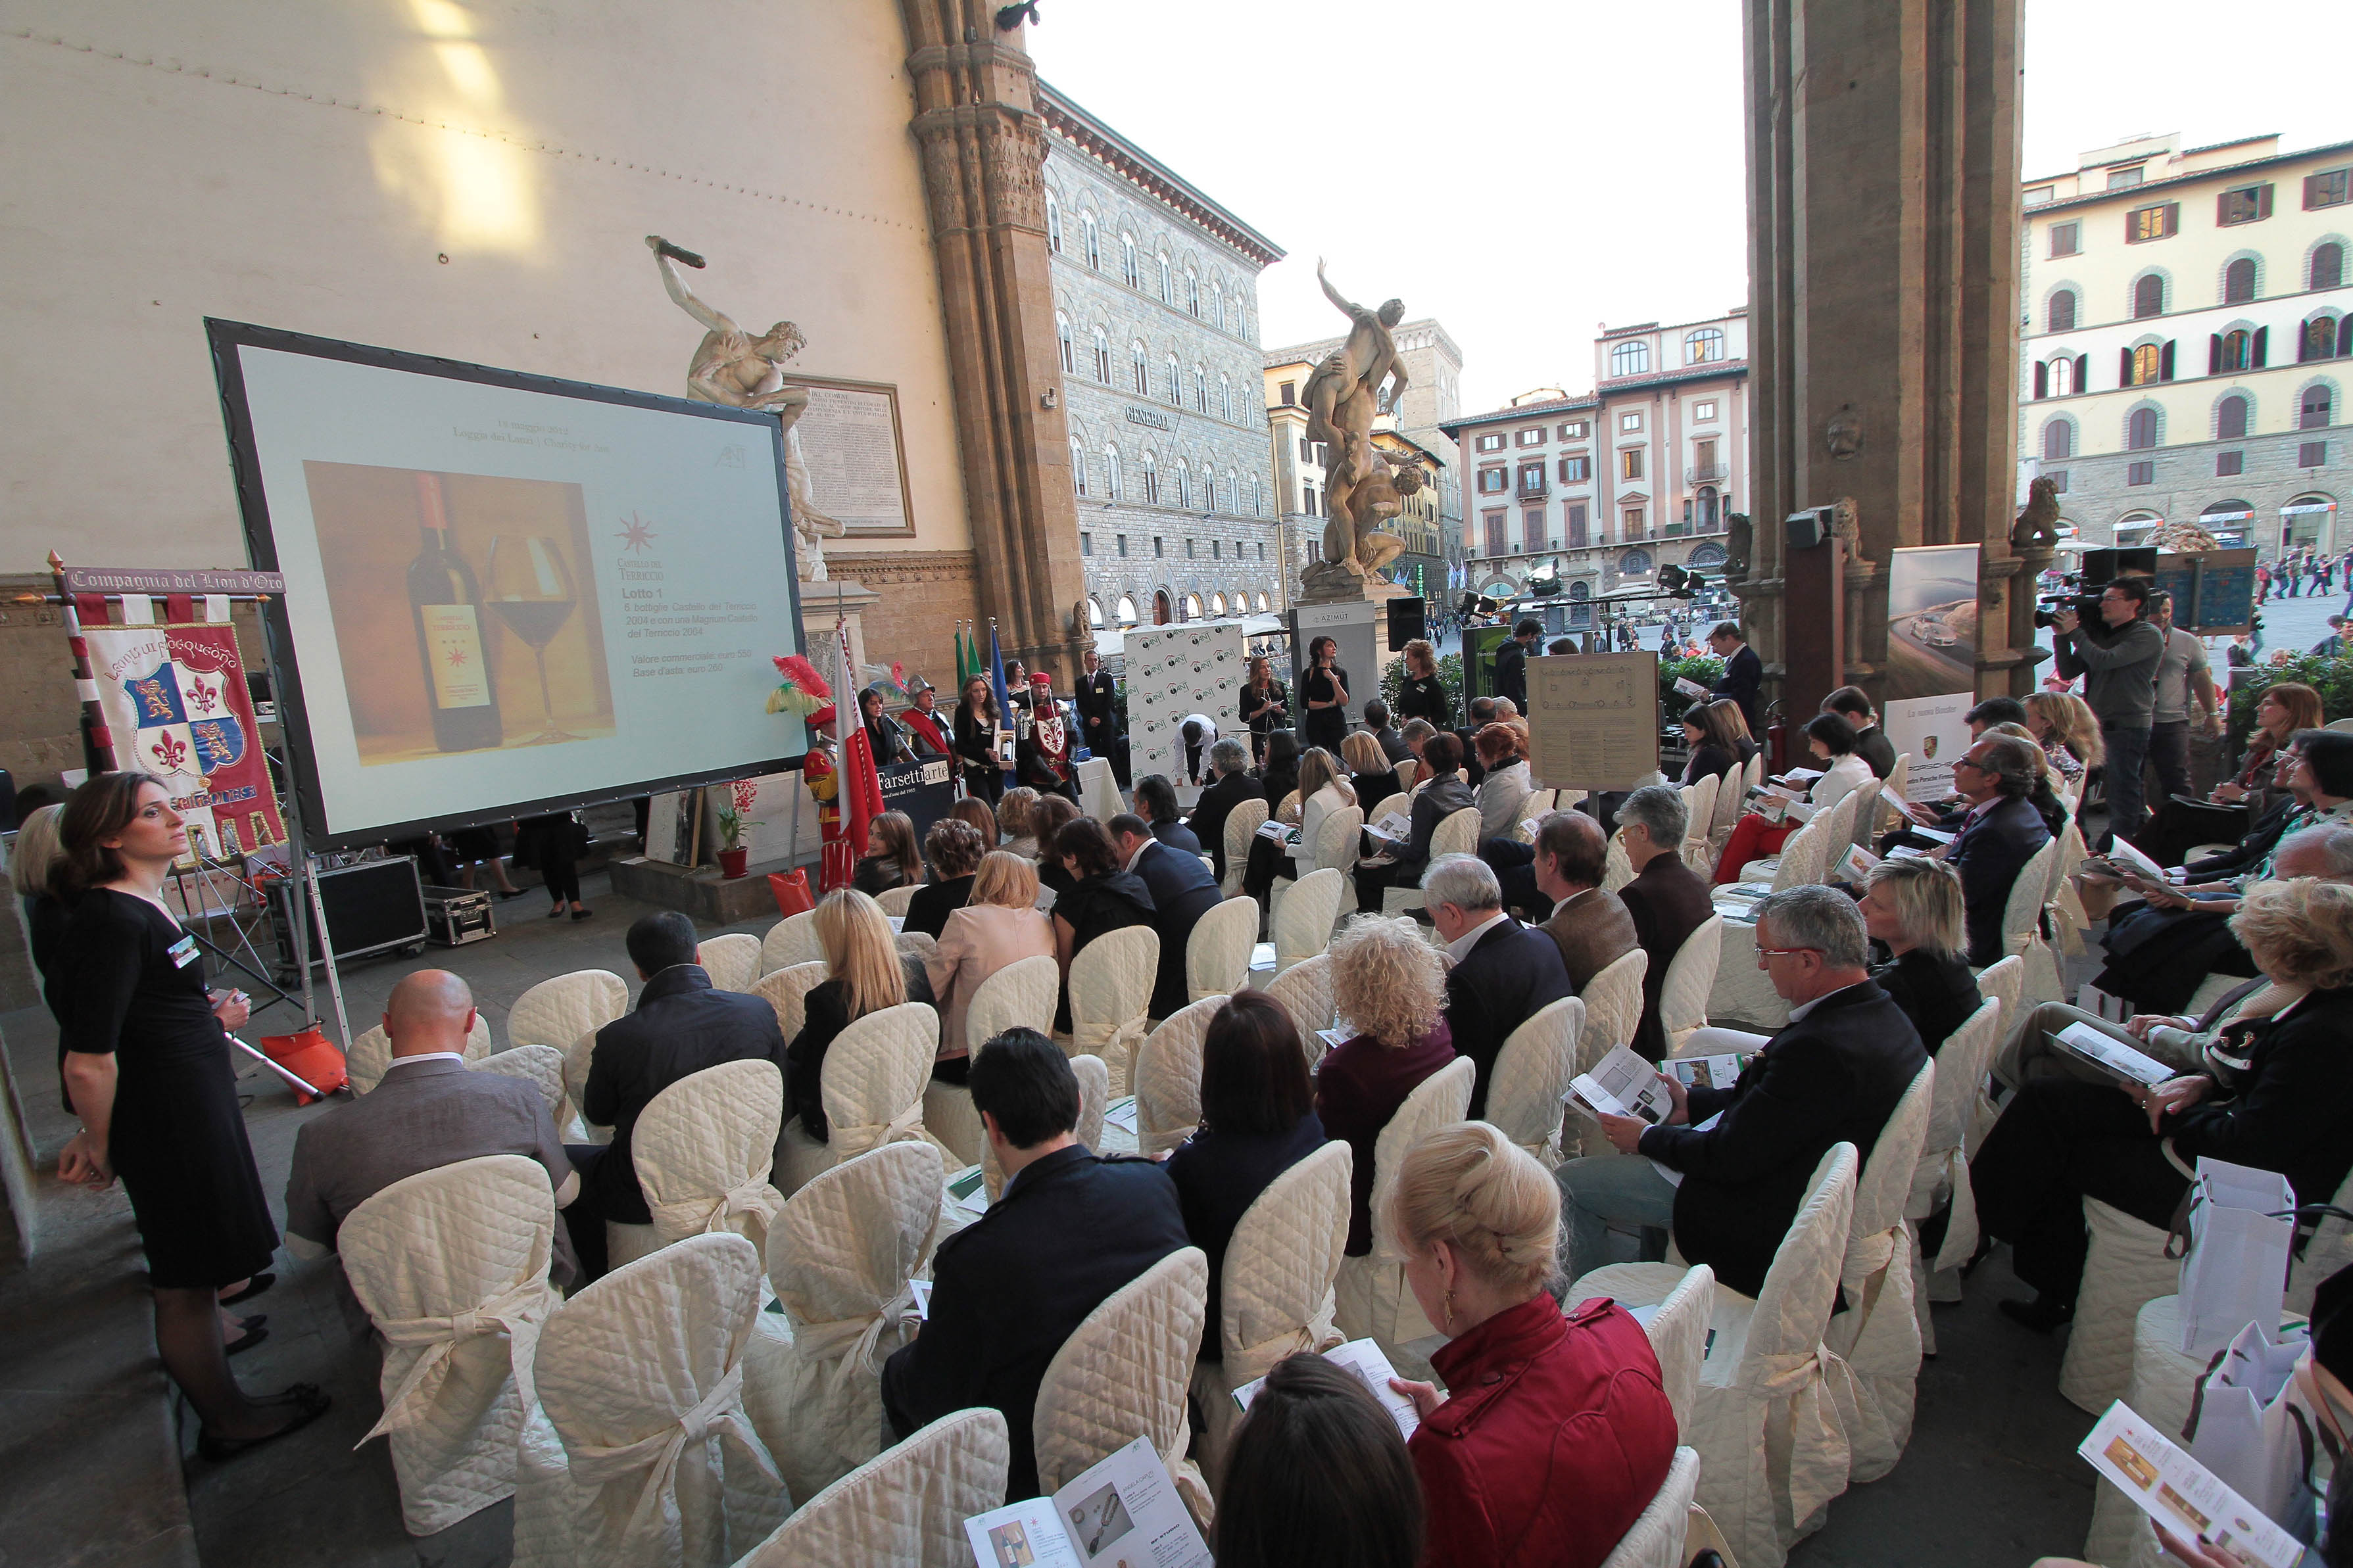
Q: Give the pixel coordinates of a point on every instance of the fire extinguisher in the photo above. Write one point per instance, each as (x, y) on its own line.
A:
(1776, 737)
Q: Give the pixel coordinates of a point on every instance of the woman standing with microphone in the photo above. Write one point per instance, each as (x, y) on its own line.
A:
(147, 1067)
(1325, 688)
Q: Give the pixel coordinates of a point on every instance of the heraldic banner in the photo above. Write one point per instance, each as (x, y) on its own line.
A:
(175, 701)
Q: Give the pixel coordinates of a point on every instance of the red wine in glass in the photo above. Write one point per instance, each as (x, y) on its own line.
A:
(531, 591)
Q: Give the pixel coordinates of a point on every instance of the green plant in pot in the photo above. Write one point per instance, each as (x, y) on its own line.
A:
(734, 856)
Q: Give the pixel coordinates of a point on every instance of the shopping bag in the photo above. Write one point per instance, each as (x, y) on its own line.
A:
(792, 891)
(2240, 1223)
(2249, 1425)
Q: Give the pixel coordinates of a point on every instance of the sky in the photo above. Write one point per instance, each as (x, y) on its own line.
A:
(1527, 170)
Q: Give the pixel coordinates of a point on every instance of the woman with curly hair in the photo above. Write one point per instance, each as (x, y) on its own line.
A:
(2064, 726)
(1390, 983)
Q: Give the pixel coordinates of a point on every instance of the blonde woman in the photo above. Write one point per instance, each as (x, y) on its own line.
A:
(1016, 822)
(35, 851)
(863, 976)
(1389, 984)
(1000, 926)
(1371, 775)
(1322, 789)
(2064, 727)
(1916, 907)
(1558, 1432)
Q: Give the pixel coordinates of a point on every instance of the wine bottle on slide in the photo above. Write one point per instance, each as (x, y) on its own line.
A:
(447, 606)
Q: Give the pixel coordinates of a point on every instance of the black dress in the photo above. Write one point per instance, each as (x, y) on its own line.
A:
(1324, 727)
(124, 980)
(975, 748)
(1424, 696)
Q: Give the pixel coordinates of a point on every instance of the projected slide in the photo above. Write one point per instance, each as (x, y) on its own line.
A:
(505, 592)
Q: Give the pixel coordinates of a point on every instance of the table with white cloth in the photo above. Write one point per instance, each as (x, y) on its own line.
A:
(1098, 790)
(1743, 993)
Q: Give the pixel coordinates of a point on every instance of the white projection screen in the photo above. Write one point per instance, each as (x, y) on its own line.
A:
(505, 593)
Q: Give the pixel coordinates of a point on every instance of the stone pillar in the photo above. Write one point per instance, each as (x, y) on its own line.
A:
(984, 151)
(1882, 196)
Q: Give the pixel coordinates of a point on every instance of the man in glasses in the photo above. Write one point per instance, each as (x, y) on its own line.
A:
(2118, 660)
(1996, 830)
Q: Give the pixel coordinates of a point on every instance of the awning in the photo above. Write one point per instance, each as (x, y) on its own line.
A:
(2298, 510)
(2225, 516)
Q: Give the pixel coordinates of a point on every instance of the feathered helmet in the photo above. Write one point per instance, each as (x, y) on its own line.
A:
(802, 690)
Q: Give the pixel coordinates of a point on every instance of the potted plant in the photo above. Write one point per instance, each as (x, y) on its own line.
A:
(735, 856)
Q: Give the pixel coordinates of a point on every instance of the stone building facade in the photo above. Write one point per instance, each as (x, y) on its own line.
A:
(1156, 326)
(2186, 341)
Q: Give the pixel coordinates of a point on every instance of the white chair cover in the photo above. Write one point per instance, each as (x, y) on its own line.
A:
(2125, 1270)
(1878, 1335)
(1406, 771)
(1531, 1073)
(1678, 1331)
(1617, 867)
(1217, 954)
(732, 961)
(2021, 921)
(1110, 995)
(1122, 1375)
(635, 1452)
(702, 1150)
(1891, 792)
(840, 1256)
(577, 1058)
(1691, 976)
(1613, 1008)
(1766, 1421)
(1168, 1077)
(1699, 808)
(2003, 981)
(791, 940)
(873, 1080)
(559, 1011)
(1275, 1297)
(1731, 799)
(371, 1054)
(542, 1067)
(1337, 838)
(1303, 914)
(786, 990)
(1305, 991)
(1941, 1179)
(922, 943)
(907, 1507)
(451, 1266)
(1865, 813)
(895, 900)
(1805, 855)
(1399, 804)
(1019, 995)
(1373, 1298)
(1242, 824)
(1458, 835)
(1656, 1540)
(2162, 1388)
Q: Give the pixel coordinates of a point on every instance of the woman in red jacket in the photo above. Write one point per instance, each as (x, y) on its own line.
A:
(1556, 1433)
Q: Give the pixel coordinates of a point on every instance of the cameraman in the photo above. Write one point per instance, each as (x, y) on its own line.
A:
(2119, 663)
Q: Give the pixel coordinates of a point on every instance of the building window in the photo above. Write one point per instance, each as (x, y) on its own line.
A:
(2060, 375)
(2328, 270)
(1494, 532)
(2234, 351)
(2066, 238)
(1703, 457)
(2239, 282)
(1093, 242)
(1192, 291)
(2140, 429)
(2317, 340)
(1577, 430)
(1176, 384)
(1493, 481)
(2228, 465)
(1200, 390)
(1217, 304)
(1493, 441)
(1121, 540)
(1288, 394)
(1630, 463)
(2312, 413)
(1078, 466)
(1703, 346)
(1702, 412)
(2230, 418)
(1111, 485)
(1127, 270)
(1127, 608)
(1533, 437)
(2057, 441)
(1575, 470)
(1062, 337)
(1634, 562)
(1532, 531)
(1138, 370)
(2159, 221)
(2243, 203)
(1184, 484)
(1226, 395)
(1234, 489)
(2124, 179)
(2058, 478)
(1307, 500)
(2037, 196)
(1217, 549)
(2328, 190)
(1167, 295)
(1102, 357)
(1532, 479)
(1631, 359)
(1575, 523)
(2148, 297)
(2144, 365)
(1629, 421)
(1086, 543)
(1054, 224)
(2311, 454)
(1151, 481)
(1159, 547)
(2062, 312)
(1257, 503)
(1261, 555)
(2140, 473)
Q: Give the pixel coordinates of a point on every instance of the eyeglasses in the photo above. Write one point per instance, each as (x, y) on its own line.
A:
(1770, 952)
(1959, 763)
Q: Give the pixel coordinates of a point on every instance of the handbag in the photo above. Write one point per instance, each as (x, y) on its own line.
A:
(792, 891)
(2249, 1424)
(2237, 1227)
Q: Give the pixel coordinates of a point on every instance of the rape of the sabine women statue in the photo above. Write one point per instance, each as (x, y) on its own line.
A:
(1363, 488)
(732, 367)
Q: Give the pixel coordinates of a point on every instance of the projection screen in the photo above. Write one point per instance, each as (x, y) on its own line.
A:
(506, 593)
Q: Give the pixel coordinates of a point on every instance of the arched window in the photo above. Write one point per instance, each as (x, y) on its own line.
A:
(1707, 506)
(2140, 429)
(1233, 490)
(1137, 367)
(2148, 297)
(1209, 487)
(2239, 282)
(1095, 612)
(1183, 483)
(1127, 259)
(1218, 302)
(1629, 358)
(1258, 498)
(2230, 418)
(1580, 589)
(2062, 376)
(2057, 441)
(2319, 340)
(1151, 481)
(1176, 383)
(2313, 412)
(2061, 315)
(1703, 345)
(1193, 300)
(1078, 466)
(2238, 351)
(1262, 599)
(1112, 486)
(1166, 295)
(2329, 266)
(2148, 364)
(1217, 604)
(1634, 562)
(1053, 223)
(1062, 337)
(1093, 240)
(1200, 390)
(1226, 395)
(1126, 611)
(1102, 357)
(1192, 605)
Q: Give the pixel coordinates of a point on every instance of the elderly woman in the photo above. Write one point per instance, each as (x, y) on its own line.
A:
(1389, 984)
(1556, 1432)
(955, 848)
(1831, 739)
(890, 860)
(1318, 1476)
(998, 925)
(1505, 786)
(2272, 1093)
(1914, 907)
(2281, 712)
(863, 975)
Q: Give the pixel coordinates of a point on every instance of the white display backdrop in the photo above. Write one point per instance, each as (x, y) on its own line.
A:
(1353, 627)
(1932, 730)
(1174, 672)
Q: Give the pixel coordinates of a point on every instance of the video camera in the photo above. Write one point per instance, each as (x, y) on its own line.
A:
(2072, 599)
(2099, 567)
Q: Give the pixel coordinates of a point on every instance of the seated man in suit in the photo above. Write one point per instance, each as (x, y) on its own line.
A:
(682, 1026)
(1443, 795)
(1230, 761)
(1069, 1231)
(1376, 721)
(1591, 926)
(1667, 900)
(1996, 831)
(1503, 973)
(1155, 802)
(430, 1110)
(1833, 1075)
(1182, 891)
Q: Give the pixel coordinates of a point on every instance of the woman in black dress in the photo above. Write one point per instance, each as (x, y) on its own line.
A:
(976, 739)
(553, 843)
(1265, 706)
(1423, 696)
(1324, 689)
(147, 1066)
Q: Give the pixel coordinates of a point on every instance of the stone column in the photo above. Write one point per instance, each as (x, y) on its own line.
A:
(1883, 195)
(984, 151)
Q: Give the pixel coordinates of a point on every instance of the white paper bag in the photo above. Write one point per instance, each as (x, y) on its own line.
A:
(2249, 1425)
(2242, 1225)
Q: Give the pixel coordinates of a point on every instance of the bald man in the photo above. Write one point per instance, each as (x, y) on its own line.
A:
(430, 1110)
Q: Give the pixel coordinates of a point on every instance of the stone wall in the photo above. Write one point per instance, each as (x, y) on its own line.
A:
(924, 594)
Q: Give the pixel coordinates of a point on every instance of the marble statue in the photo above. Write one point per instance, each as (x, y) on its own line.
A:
(732, 367)
(2037, 527)
(1363, 488)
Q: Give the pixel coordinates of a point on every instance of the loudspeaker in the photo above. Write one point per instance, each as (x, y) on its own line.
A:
(2105, 566)
(1809, 528)
(1407, 619)
(371, 907)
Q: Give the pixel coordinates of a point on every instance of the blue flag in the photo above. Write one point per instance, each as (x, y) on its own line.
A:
(996, 680)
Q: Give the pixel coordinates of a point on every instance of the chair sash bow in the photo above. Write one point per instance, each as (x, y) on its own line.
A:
(516, 1310)
(720, 1412)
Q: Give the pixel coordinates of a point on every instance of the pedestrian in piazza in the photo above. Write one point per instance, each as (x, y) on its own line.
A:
(2263, 584)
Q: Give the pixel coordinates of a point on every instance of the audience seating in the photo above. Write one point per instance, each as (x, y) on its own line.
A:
(1168, 1077)
(2125, 1269)
(1275, 1297)
(542, 1067)
(1288, 809)
(1458, 835)
(1374, 1300)
(2160, 1391)
(371, 1054)
(1218, 952)
(786, 990)
(1865, 813)
(1765, 1421)
(1303, 913)
(1731, 800)
(873, 1081)
(1878, 1334)
(732, 961)
(1122, 1374)
(2022, 927)
(1406, 771)
(1305, 991)
(1400, 803)
(452, 1267)
(1021, 994)
(2003, 980)
(1617, 868)
(1242, 824)
(1337, 837)
(555, 1011)
(1806, 855)
(1886, 809)
(1691, 976)
(1532, 1072)
(635, 1449)
(1678, 1331)
(1613, 1009)
(2069, 919)
(1110, 995)
(895, 900)
(704, 1148)
(1940, 1181)
(577, 1058)
(907, 1506)
(1699, 809)
(838, 1257)
(791, 940)
(1656, 1539)
(922, 943)
(1094, 1099)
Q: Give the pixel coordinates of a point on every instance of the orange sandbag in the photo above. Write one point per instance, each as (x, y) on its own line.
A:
(310, 1057)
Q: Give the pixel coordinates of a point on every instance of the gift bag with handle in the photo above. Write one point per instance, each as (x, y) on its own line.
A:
(2250, 1425)
(2239, 1224)
(792, 891)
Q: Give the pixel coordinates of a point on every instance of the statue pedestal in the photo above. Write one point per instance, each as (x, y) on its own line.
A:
(821, 603)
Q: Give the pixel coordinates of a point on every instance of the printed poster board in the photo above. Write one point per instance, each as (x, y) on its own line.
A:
(1594, 719)
(1174, 671)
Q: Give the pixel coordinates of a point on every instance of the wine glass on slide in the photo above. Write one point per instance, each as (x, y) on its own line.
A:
(531, 590)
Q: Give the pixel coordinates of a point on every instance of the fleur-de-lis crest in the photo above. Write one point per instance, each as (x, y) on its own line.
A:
(170, 750)
(207, 695)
